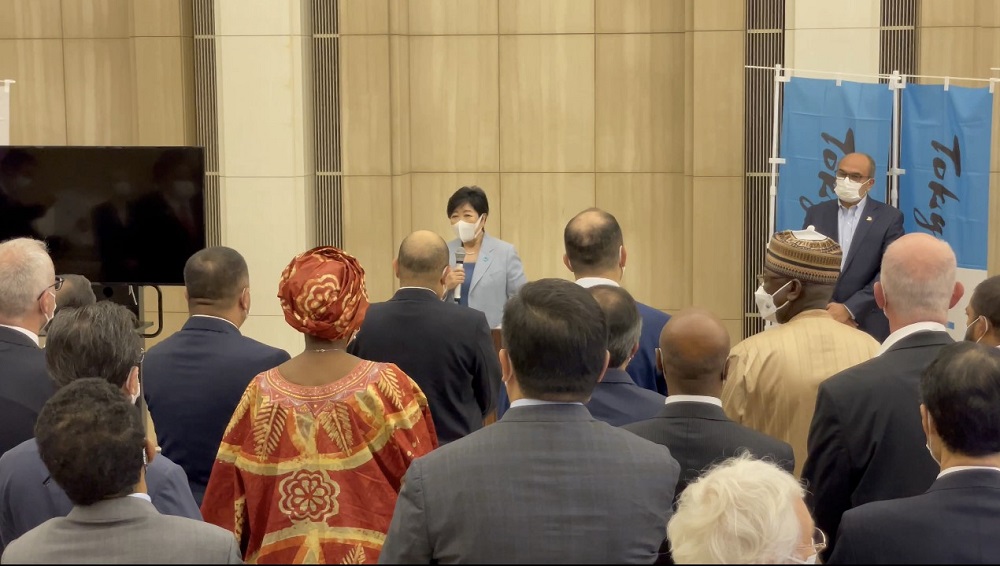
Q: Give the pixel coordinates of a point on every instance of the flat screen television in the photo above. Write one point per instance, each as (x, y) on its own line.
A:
(112, 214)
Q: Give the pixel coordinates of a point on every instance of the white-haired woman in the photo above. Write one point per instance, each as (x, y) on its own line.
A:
(744, 511)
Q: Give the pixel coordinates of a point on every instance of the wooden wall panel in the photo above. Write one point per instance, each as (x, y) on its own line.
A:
(948, 51)
(454, 117)
(640, 16)
(38, 100)
(431, 192)
(399, 17)
(537, 207)
(452, 17)
(547, 103)
(365, 107)
(368, 237)
(363, 17)
(164, 90)
(650, 210)
(399, 103)
(30, 19)
(640, 102)
(718, 15)
(718, 85)
(96, 19)
(718, 245)
(161, 18)
(100, 92)
(546, 17)
(946, 13)
(402, 208)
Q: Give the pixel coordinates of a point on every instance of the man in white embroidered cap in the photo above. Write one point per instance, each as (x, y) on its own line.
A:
(774, 376)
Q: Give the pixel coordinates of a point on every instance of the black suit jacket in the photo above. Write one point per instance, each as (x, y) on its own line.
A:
(866, 442)
(25, 386)
(856, 286)
(193, 382)
(699, 435)
(445, 348)
(955, 522)
(618, 401)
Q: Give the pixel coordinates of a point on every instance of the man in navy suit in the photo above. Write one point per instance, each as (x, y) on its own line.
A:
(445, 348)
(194, 380)
(616, 399)
(957, 519)
(864, 228)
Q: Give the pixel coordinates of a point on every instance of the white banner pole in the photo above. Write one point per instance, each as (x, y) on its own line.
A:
(896, 84)
(774, 160)
(5, 111)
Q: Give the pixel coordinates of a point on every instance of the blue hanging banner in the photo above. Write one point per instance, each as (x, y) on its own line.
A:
(822, 122)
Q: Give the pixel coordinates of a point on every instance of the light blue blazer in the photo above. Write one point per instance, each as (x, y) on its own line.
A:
(497, 277)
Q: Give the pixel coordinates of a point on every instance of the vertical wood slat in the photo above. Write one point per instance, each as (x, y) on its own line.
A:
(326, 122)
(206, 113)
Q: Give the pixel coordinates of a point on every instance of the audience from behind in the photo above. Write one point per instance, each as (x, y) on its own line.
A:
(92, 440)
(28, 285)
(194, 379)
(956, 520)
(547, 483)
(76, 292)
(617, 400)
(312, 459)
(98, 340)
(693, 352)
(983, 312)
(446, 349)
(744, 511)
(865, 441)
(491, 271)
(773, 376)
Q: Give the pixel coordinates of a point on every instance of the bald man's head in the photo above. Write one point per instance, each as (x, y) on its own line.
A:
(593, 241)
(694, 346)
(423, 255)
(918, 279)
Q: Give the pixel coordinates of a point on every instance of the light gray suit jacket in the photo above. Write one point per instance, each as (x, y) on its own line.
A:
(497, 277)
(124, 530)
(546, 484)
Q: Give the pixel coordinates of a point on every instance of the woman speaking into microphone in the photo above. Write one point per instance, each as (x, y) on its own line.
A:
(490, 271)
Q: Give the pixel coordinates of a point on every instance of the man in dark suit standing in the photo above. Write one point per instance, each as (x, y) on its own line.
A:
(694, 347)
(957, 519)
(864, 228)
(865, 441)
(27, 302)
(194, 380)
(447, 349)
(617, 400)
(547, 483)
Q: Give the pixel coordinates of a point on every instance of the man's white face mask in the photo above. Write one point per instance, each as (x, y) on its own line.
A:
(765, 303)
(849, 191)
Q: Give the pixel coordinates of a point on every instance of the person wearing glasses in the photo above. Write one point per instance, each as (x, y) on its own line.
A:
(744, 511)
(28, 286)
(864, 227)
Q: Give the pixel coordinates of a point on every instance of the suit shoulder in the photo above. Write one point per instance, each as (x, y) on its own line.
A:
(193, 529)
(650, 314)
(264, 350)
(856, 378)
(628, 442)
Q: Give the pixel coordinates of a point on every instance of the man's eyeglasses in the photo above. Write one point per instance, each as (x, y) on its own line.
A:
(856, 177)
(57, 285)
(819, 541)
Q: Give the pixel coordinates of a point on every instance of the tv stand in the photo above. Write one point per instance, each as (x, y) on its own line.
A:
(130, 296)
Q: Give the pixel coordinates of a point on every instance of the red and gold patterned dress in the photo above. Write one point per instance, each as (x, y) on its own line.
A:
(310, 475)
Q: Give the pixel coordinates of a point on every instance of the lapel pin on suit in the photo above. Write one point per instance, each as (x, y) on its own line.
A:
(869, 219)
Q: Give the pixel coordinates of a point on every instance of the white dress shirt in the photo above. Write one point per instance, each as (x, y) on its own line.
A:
(216, 318)
(588, 282)
(537, 402)
(694, 399)
(26, 332)
(954, 469)
(144, 496)
(847, 224)
(910, 330)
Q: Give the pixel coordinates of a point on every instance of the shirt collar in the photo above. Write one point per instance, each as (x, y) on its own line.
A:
(856, 209)
(537, 402)
(588, 282)
(954, 469)
(144, 496)
(428, 289)
(26, 332)
(216, 318)
(907, 331)
(694, 399)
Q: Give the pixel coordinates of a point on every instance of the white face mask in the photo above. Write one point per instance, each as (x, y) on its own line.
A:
(467, 231)
(968, 337)
(931, 452)
(765, 303)
(810, 560)
(848, 191)
(51, 315)
(133, 398)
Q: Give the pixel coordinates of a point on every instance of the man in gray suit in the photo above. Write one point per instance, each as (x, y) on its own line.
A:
(92, 440)
(548, 483)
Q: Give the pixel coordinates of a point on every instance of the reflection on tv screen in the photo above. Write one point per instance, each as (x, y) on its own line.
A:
(113, 214)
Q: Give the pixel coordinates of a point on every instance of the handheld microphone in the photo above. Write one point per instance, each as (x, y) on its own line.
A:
(459, 260)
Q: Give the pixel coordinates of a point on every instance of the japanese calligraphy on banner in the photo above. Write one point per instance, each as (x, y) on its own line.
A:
(945, 151)
(822, 122)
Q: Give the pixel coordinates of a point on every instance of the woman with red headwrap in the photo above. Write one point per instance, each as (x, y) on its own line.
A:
(311, 462)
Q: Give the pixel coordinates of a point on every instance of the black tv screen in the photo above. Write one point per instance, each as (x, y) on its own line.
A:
(111, 214)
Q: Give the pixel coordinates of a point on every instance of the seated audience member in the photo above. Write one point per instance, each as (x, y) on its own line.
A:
(865, 442)
(957, 520)
(194, 379)
(617, 400)
(547, 483)
(93, 341)
(92, 439)
(773, 376)
(76, 292)
(744, 511)
(448, 350)
(311, 462)
(28, 284)
(694, 346)
(983, 312)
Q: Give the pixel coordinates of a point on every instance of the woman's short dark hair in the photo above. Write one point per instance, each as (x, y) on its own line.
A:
(472, 196)
(91, 440)
(961, 391)
(986, 300)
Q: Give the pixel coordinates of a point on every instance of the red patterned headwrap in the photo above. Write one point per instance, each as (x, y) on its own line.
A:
(322, 293)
